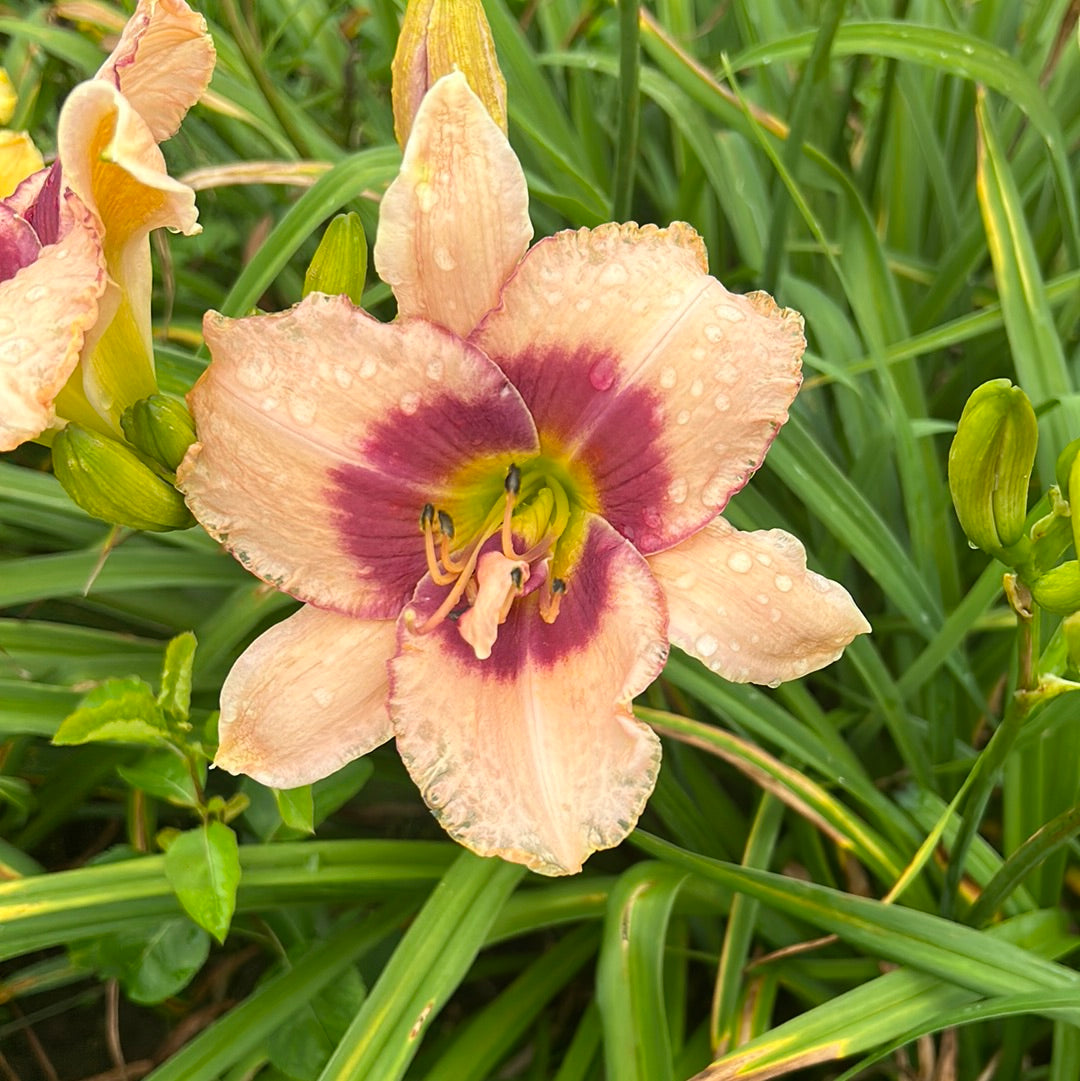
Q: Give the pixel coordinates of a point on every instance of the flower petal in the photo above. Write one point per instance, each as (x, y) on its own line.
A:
(162, 63)
(635, 362)
(46, 309)
(745, 605)
(534, 754)
(111, 160)
(19, 244)
(306, 697)
(323, 434)
(18, 159)
(455, 222)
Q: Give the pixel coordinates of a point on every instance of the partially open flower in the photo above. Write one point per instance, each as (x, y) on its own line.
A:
(510, 494)
(74, 321)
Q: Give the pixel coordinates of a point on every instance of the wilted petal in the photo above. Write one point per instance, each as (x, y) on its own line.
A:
(533, 754)
(19, 244)
(746, 606)
(46, 308)
(306, 697)
(162, 63)
(455, 222)
(323, 434)
(641, 366)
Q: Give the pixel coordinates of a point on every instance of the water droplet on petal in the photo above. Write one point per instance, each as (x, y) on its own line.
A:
(602, 374)
(322, 696)
(343, 377)
(686, 580)
(740, 561)
(435, 370)
(268, 404)
(706, 645)
(783, 583)
(683, 417)
(668, 377)
(368, 368)
(444, 258)
(677, 490)
(35, 294)
(613, 274)
(302, 410)
(409, 403)
(714, 333)
(697, 388)
(722, 403)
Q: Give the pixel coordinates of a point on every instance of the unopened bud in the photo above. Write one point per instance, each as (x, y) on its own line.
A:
(340, 261)
(990, 464)
(438, 37)
(160, 427)
(112, 482)
(1058, 590)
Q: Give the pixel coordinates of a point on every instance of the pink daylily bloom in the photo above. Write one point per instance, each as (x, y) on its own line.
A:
(510, 494)
(79, 230)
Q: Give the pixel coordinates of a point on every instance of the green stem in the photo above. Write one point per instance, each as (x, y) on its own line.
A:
(629, 109)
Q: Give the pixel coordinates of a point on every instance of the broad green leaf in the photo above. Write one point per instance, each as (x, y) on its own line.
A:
(152, 962)
(296, 807)
(203, 867)
(119, 711)
(175, 694)
(165, 775)
(303, 1047)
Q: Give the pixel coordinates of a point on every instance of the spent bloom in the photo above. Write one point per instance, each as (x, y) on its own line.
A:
(75, 274)
(501, 507)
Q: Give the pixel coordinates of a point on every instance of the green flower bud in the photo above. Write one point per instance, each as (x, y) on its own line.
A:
(1058, 590)
(438, 37)
(160, 427)
(990, 464)
(111, 481)
(340, 261)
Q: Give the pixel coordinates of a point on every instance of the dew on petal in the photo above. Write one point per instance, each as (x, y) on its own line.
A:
(426, 197)
(683, 417)
(269, 404)
(343, 377)
(678, 490)
(613, 274)
(409, 403)
(782, 583)
(583, 304)
(444, 258)
(714, 332)
(740, 562)
(697, 388)
(602, 374)
(302, 410)
(722, 402)
(762, 598)
(368, 368)
(668, 377)
(322, 696)
(253, 375)
(36, 294)
(706, 645)
(434, 370)
(686, 580)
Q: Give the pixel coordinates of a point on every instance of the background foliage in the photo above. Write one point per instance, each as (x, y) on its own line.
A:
(901, 171)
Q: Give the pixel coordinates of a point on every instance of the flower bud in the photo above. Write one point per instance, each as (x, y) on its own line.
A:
(990, 464)
(8, 98)
(340, 261)
(1058, 590)
(111, 481)
(160, 427)
(438, 37)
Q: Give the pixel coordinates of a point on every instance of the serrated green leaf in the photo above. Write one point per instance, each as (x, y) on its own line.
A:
(203, 867)
(119, 711)
(164, 775)
(175, 694)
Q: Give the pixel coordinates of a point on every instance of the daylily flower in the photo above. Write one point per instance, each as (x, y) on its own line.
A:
(510, 494)
(75, 275)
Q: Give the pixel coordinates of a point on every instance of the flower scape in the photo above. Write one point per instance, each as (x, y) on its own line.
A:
(502, 507)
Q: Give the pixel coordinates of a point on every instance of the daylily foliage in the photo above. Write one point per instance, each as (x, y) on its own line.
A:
(501, 507)
(75, 275)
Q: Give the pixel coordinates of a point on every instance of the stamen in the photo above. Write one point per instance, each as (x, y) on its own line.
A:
(551, 599)
(454, 595)
(446, 525)
(446, 530)
(438, 575)
(513, 480)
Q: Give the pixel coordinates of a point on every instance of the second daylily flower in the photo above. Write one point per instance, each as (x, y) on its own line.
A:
(75, 275)
(511, 495)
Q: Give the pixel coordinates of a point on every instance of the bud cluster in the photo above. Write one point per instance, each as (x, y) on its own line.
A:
(990, 465)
